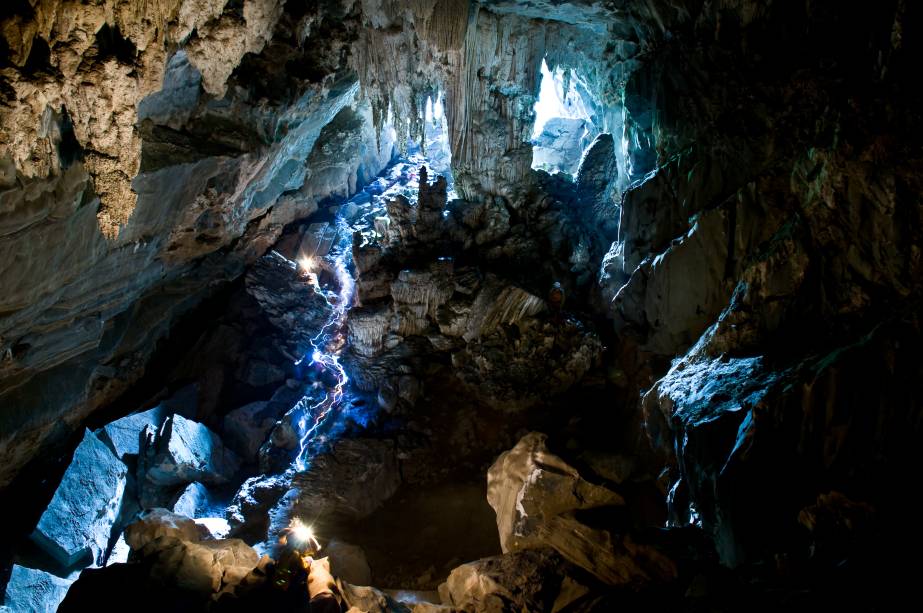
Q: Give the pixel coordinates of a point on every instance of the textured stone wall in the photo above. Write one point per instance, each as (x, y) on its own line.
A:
(148, 155)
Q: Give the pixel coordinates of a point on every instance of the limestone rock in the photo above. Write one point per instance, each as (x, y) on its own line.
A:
(79, 519)
(186, 451)
(123, 435)
(161, 523)
(34, 590)
(597, 180)
(368, 327)
(528, 486)
(194, 501)
(203, 567)
(560, 145)
(180, 554)
(364, 599)
(352, 480)
(349, 561)
(246, 428)
(521, 581)
(535, 494)
(250, 506)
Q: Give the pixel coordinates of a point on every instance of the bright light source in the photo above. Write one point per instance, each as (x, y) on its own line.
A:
(316, 356)
(549, 103)
(438, 109)
(307, 263)
(303, 534)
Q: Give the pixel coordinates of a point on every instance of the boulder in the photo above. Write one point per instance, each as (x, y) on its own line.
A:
(250, 507)
(123, 435)
(187, 451)
(536, 494)
(203, 567)
(597, 179)
(194, 501)
(78, 521)
(527, 580)
(363, 599)
(181, 554)
(528, 485)
(161, 523)
(349, 561)
(246, 428)
(34, 591)
(352, 480)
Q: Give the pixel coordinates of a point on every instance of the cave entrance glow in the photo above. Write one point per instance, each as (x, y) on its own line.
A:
(434, 151)
(563, 126)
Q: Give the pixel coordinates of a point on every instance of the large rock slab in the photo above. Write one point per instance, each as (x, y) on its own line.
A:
(161, 523)
(528, 485)
(597, 179)
(181, 554)
(78, 522)
(536, 494)
(352, 480)
(194, 501)
(247, 427)
(187, 451)
(124, 435)
(34, 591)
(522, 581)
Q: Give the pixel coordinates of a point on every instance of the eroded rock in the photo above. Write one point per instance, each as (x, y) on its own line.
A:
(78, 522)
(352, 480)
(180, 554)
(528, 580)
(186, 451)
(537, 495)
(34, 591)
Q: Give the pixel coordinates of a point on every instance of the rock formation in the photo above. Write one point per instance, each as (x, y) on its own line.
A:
(265, 261)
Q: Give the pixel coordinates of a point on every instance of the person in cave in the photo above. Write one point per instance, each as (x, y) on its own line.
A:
(298, 575)
(556, 302)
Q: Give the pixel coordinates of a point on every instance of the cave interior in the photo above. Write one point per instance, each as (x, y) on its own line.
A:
(518, 306)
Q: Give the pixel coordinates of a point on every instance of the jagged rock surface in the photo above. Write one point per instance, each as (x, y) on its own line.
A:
(185, 451)
(146, 183)
(78, 521)
(34, 590)
(537, 497)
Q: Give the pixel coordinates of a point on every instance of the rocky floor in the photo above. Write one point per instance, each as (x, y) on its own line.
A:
(230, 379)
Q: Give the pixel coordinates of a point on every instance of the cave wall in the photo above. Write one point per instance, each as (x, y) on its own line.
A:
(770, 250)
(149, 156)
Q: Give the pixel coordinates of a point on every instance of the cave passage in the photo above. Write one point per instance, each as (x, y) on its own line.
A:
(521, 306)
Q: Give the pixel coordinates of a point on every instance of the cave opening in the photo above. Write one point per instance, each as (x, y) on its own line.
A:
(564, 121)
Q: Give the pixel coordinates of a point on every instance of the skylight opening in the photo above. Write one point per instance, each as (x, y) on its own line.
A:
(563, 125)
